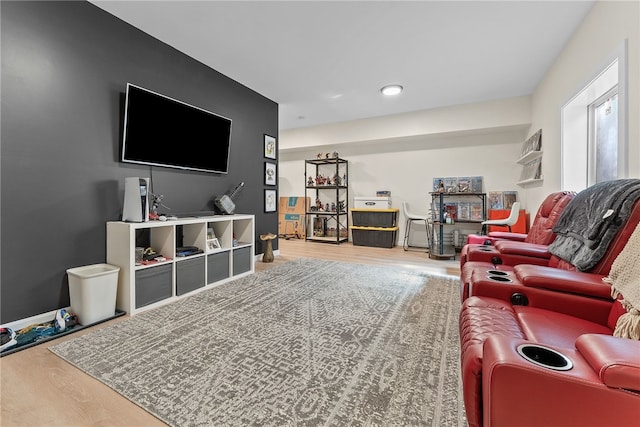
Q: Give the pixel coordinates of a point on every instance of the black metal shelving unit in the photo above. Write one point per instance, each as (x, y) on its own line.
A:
(326, 184)
(438, 247)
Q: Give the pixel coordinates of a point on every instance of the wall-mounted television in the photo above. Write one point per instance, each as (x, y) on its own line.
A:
(163, 131)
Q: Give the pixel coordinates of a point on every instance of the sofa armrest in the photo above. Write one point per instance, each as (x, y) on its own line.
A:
(517, 392)
(616, 360)
(506, 235)
(532, 250)
(556, 279)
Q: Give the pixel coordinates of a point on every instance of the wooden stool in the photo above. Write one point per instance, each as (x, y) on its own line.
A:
(268, 249)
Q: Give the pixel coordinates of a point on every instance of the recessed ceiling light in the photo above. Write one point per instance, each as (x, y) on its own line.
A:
(391, 90)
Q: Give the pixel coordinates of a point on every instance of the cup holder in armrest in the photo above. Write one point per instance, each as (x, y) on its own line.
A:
(545, 357)
(501, 279)
(497, 273)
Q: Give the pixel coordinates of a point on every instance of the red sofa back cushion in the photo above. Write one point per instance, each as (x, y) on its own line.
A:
(541, 231)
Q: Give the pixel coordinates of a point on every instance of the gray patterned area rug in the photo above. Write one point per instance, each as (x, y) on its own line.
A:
(307, 343)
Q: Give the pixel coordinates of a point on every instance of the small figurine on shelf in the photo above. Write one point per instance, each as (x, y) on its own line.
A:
(326, 207)
(156, 202)
(335, 155)
(319, 156)
(341, 205)
(327, 155)
(318, 205)
(441, 188)
(337, 180)
(310, 182)
(333, 206)
(344, 179)
(321, 180)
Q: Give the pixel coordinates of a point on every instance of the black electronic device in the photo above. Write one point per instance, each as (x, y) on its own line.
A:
(226, 202)
(163, 131)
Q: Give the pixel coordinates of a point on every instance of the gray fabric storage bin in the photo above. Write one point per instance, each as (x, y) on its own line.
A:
(153, 284)
(189, 275)
(217, 266)
(241, 260)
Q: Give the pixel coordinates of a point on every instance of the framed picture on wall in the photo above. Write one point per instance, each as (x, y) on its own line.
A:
(270, 200)
(270, 177)
(269, 147)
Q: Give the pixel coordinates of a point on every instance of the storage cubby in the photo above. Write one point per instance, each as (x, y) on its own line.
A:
(243, 232)
(190, 275)
(242, 260)
(218, 267)
(153, 284)
(192, 235)
(223, 232)
(159, 238)
(141, 287)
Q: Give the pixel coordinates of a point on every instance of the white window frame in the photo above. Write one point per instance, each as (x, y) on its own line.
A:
(592, 142)
(574, 152)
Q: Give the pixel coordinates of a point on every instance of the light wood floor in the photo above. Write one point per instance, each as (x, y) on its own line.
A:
(37, 388)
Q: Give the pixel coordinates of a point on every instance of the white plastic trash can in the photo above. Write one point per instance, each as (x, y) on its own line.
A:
(92, 290)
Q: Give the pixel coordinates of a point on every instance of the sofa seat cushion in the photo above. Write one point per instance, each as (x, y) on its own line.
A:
(555, 329)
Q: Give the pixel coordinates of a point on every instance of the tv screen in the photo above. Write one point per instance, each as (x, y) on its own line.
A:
(162, 131)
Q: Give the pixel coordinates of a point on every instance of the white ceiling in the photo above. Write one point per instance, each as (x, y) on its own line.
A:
(324, 62)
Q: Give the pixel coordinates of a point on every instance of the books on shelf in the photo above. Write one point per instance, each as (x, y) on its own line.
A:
(531, 170)
(464, 213)
(534, 143)
(464, 184)
(502, 199)
(460, 184)
(509, 198)
(450, 184)
(476, 184)
(452, 210)
(496, 200)
(475, 211)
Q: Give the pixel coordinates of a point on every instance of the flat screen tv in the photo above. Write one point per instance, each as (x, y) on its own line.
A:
(162, 131)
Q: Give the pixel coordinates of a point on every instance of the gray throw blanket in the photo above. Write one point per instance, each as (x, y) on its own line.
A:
(591, 220)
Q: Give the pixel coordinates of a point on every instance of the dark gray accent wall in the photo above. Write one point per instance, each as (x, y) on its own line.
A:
(65, 66)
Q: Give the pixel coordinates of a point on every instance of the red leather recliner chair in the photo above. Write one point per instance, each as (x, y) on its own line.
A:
(508, 245)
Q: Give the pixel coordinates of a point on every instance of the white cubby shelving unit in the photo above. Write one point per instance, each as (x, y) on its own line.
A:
(145, 286)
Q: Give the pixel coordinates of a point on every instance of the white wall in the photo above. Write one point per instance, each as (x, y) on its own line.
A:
(407, 168)
(588, 52)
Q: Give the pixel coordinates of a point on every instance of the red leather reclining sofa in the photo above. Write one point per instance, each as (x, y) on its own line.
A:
(519, 334)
